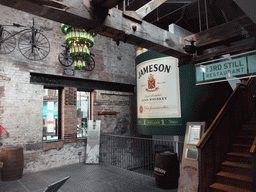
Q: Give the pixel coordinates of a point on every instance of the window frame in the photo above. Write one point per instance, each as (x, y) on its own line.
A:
(59, 121)
(89, 108)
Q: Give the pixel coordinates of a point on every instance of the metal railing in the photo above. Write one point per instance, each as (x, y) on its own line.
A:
(135, 153)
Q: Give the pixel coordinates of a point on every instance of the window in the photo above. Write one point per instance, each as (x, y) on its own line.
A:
(51, 114)
(83, 113)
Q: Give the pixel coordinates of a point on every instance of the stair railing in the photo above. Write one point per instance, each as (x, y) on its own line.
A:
(215, 142)
(253, 159)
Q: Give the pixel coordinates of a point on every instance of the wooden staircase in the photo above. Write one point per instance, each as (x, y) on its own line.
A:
(236, 171)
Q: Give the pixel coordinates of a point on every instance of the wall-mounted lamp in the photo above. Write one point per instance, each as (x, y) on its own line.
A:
(190, 48)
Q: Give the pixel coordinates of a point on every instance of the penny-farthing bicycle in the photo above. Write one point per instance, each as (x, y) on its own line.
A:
(32, 43)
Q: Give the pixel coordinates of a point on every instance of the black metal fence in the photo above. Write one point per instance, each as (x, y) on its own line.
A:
(135, 153)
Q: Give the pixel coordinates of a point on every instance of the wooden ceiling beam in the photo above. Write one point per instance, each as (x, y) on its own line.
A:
(218, 34)
(108, 4)
(80, 15)
(149, 7)
(248, 44)
(180, 1)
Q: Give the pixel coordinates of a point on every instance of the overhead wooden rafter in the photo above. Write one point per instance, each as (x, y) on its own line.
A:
(80, 14)
(227, 38)
(180, 1)
(106, 4)
(149, 7)
(130, 28)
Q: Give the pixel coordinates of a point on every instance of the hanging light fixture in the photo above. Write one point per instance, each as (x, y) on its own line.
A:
(79, 42)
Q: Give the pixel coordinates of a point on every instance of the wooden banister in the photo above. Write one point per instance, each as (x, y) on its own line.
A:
(253, 147)
(210, 130)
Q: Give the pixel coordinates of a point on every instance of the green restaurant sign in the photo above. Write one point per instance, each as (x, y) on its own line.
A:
(238, 67)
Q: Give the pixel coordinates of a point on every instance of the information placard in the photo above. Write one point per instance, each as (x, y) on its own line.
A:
(189, 166)
(93, 142)
(194, 134)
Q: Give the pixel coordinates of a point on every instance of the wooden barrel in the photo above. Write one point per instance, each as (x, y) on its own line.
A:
(13, 162)
(167, 170)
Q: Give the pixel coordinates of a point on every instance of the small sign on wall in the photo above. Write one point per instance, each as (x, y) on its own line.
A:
(68, 71)
(93, 142)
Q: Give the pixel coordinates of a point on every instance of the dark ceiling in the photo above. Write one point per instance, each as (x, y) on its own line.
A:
(217, 27)
(188, 14)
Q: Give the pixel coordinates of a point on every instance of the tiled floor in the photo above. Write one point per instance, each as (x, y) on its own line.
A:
(85, 178)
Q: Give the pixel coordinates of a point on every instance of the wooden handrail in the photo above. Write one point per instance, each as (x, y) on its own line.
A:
(210, 130)
(253, 148)
(249, 81)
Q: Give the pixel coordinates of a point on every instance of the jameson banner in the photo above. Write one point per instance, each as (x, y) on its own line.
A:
(238, 67)
(93, 142)
(158, 92)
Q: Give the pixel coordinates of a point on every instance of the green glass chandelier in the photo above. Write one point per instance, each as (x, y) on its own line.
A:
(79, 42)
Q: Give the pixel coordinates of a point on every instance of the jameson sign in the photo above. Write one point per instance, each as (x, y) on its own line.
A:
(158, 92)
(224, 70)
(154, 68)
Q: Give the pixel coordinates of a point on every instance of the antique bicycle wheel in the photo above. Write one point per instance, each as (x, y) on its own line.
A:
(34, 50)
(89, 64)
(65, 59)
(7, 42)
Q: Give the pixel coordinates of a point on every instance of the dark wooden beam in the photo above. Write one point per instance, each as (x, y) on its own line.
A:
(111, 3)
(218, 34)
(49, 3)
(81, 84)
(115, 25)
(237, 47)
(108, 4)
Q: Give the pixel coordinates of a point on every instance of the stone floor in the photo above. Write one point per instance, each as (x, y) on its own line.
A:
(85, 178)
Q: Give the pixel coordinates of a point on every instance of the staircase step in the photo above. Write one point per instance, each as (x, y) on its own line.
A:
(235, 176)
(250, 122)
(239, 165)
(249, 126)
(218, 187)
(240, 154)
(238, 157)
(236, 170)
(240, 148)
(246, 132)
(236, 180)
(244, 139)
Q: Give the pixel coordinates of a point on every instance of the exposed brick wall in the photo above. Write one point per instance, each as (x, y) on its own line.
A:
(21, 103)
(117, 102)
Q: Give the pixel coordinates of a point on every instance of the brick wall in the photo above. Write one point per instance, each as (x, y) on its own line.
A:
(21, 103)
(116, 105)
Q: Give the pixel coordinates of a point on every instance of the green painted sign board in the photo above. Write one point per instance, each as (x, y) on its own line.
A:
(224, 70)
